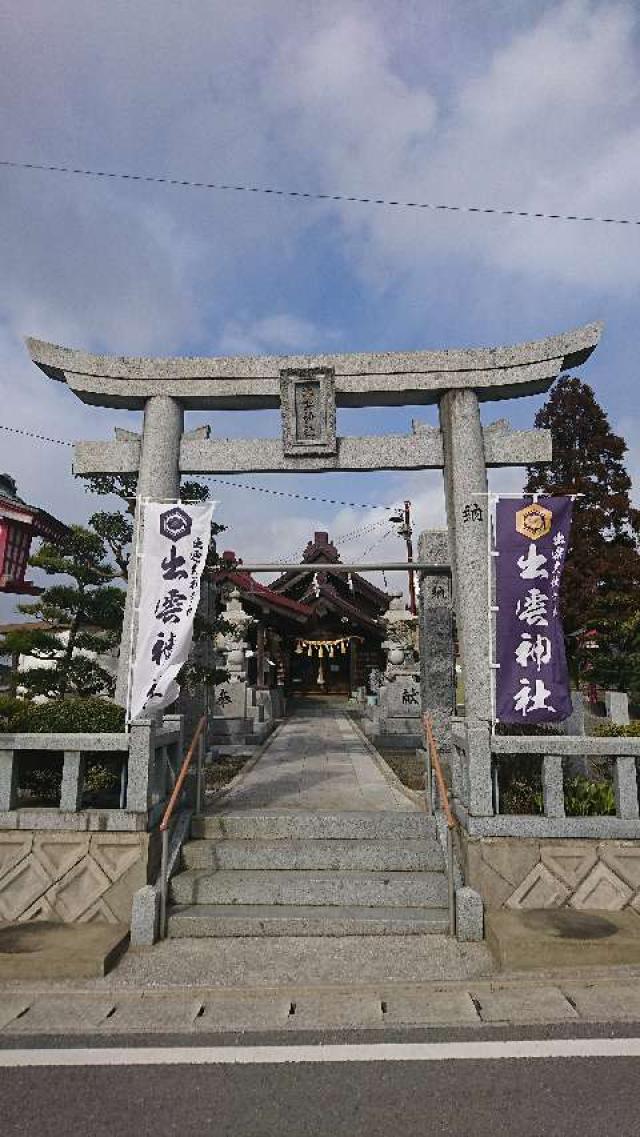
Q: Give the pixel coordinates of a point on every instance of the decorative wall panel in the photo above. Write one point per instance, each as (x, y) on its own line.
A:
(70, 876)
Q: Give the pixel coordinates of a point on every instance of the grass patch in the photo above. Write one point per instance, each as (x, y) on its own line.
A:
(406, 766)
(223, 770)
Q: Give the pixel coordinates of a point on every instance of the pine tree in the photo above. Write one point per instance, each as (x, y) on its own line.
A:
(85, 616)
(116, 530)
(82, 618)
(115, 527)
(602, 573)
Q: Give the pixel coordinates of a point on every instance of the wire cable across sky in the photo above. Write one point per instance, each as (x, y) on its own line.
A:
(224, 481)
(436, 207)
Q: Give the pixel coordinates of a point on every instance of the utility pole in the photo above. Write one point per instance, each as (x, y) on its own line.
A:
(405, 530)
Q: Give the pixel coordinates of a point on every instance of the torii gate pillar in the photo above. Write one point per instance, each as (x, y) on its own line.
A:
(465, 478)
(158, 480)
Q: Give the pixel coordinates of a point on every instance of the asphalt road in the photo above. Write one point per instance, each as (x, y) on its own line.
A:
(528, 1097)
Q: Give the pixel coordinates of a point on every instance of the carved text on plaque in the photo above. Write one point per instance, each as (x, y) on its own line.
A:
(308, 411)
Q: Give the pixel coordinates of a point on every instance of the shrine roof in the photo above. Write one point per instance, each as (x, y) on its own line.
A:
(250, 587)
(15, 508)
(355, 614)
(320, 554)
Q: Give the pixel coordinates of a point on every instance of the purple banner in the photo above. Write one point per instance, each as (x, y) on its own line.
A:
(532, 681)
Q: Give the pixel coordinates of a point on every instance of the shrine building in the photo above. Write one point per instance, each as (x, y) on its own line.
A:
(315, 632)
(19, 524)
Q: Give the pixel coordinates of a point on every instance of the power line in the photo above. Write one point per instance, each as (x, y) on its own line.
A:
(436, 207)
(378, 542)
(30, 434)
(222, 481)
(300, 496)
(353, 534)
(341, 539)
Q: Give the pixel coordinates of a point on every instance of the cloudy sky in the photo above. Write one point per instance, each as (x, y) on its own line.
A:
(508, 103)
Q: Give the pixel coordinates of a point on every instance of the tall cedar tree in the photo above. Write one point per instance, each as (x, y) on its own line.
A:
(602, 573)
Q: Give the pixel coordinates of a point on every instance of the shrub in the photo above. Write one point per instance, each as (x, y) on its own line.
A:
(584, 798)
(617, 730)
(520, 779)
(521, 797)
(13, 713)
(101, 786)
(39, 777)
(71, 714)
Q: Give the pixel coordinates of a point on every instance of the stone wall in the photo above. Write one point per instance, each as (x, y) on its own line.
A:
(72, 876)
(520, 873)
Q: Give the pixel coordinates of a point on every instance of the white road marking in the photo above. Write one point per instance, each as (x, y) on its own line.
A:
(374, 1052)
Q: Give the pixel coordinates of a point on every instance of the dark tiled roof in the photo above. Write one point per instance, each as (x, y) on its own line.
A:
(245, 582)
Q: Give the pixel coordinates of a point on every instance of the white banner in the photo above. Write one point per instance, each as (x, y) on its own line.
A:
(174, 551)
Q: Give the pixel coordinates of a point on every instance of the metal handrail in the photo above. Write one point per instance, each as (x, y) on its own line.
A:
(443, 789)
(435, 764)
(168, 814)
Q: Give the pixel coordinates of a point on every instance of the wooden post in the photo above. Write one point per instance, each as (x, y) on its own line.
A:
(260, 656)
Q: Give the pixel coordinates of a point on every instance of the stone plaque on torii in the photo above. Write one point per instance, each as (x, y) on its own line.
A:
(308, 389)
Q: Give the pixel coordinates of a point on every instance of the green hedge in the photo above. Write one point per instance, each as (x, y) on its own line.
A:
(616, 730)
(72, 714)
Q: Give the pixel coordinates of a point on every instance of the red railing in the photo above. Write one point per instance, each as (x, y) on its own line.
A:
(196, 741)
(434, 763)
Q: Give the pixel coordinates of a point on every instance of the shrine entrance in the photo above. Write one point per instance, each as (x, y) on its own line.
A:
(307, 390)
(322, 667)
(317, 801)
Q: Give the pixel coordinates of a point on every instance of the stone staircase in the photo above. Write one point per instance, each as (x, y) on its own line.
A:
(310, 874)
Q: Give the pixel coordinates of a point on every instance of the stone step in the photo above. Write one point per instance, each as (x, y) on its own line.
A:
(211, 920)
(366, 889)
(412, 855)
(299, 825)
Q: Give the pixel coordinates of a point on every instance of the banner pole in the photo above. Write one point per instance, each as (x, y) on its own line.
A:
(491, 608)
(140, 502)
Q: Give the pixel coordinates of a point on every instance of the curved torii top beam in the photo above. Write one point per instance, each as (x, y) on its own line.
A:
(363, 379)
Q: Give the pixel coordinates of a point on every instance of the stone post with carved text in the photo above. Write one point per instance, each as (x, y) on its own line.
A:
(465, 476)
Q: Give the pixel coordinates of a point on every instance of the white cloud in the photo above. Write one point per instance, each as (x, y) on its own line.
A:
(281, 333)
(523, 105)
(549, 124)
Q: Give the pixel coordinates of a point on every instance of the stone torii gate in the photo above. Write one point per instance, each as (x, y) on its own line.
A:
(308, 389)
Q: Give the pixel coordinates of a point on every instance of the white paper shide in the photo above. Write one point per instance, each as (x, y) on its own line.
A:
(174, 551)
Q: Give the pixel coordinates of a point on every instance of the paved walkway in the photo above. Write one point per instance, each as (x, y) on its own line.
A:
(317, 762)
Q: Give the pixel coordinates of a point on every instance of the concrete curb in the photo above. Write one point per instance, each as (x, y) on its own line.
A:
(576, 999)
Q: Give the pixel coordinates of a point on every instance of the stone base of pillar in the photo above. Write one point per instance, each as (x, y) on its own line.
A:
(396, 734)
(395, 720)
(469, 915)
(273, 702)
(225, 731)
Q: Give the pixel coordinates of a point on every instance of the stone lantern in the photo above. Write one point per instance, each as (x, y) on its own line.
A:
(400, 640)
(238, 717)
(396, 719)
(234, 642)
(19, 524)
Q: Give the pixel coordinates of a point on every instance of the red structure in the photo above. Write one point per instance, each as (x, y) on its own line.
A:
(19, 524)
